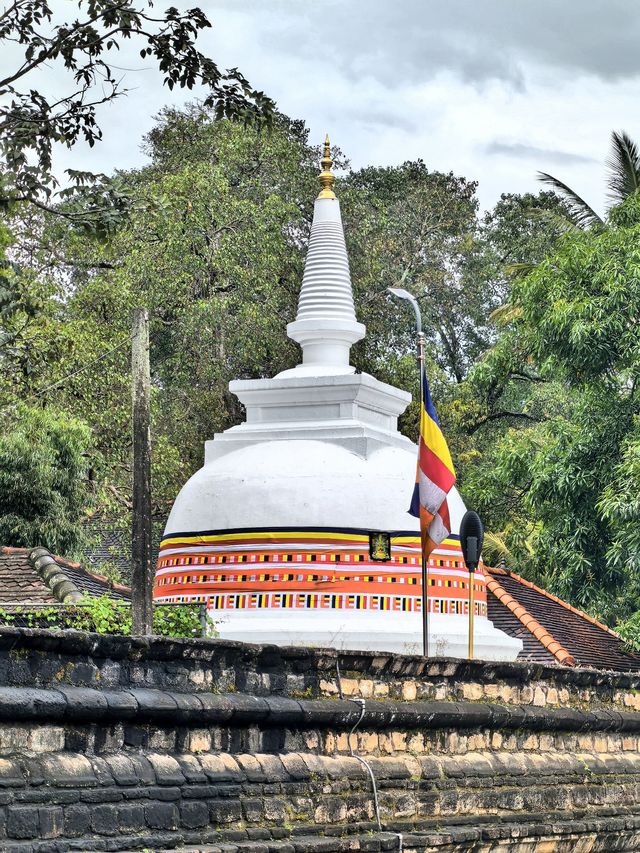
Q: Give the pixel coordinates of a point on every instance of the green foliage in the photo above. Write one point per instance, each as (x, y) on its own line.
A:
(177, 620)
(214, 253)
(561, 480)
(42, 464)
(33, 121)
(215, 248)
(28, 313)
(415, 228)
(629, 630)
(105, 615)
(530, 351)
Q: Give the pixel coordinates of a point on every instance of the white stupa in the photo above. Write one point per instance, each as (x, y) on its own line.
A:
(276, 532)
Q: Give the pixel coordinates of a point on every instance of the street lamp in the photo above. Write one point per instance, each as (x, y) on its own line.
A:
(401, 293)
(471, 539)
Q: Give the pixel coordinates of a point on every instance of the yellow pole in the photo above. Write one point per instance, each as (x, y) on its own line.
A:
(471, 611)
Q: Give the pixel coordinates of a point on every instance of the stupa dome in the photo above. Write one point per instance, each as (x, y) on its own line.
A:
(302, 483)
(276, 531)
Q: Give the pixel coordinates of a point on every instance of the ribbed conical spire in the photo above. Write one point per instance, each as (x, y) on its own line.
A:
(326, 324)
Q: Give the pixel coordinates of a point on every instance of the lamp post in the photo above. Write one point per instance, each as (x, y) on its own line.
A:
(471, 539)
(400, 293)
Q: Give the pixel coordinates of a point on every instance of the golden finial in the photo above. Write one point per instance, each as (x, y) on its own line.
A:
(326, 176)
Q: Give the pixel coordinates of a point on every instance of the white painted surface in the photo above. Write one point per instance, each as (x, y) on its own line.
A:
(326, 325)
(290, 483)
(357, 630)
(356, 412)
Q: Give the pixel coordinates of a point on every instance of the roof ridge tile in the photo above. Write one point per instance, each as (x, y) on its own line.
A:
(532, 625)
(52, 573)
(63, 561)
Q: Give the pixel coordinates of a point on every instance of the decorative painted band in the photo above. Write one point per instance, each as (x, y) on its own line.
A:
(313, 569)
(163, 707)
(236, 534)
(314, 601)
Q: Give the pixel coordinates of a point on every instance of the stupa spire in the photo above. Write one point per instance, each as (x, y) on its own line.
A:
(326, 177)
(326, 324)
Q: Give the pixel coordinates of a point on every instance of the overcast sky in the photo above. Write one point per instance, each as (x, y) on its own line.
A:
(491, 89)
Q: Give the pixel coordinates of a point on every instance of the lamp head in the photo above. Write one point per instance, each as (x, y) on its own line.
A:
(471, 539)
(401, 293)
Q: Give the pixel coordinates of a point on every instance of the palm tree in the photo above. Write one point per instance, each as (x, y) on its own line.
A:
(623, 179)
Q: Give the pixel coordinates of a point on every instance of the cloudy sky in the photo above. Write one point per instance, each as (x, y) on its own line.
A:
(491, 89)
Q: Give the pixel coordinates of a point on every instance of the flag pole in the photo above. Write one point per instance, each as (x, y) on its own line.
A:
(424, 560)
(400, 293)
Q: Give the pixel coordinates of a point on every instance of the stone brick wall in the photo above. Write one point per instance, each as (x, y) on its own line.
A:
(124, 744)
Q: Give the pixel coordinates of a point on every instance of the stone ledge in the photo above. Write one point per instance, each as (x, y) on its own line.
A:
(298, 660)
(601, 834)
(221, 817)
(60, 770)
(84, 704)
(597, 836)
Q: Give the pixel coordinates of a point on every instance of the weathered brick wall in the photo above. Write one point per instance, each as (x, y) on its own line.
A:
(123, 744)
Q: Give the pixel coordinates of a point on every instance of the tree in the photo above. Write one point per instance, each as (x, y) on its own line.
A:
(623, 166)
(408, 226)
(32, 122)
(29, 340)
(214, 247)
(501, 391)
(520, 232)
(42, 479)
(564, 480)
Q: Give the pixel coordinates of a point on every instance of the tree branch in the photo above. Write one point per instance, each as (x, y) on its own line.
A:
(55, 45)
(494, 416)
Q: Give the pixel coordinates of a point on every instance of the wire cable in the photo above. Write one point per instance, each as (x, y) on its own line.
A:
(362, 704)
(80, 369)
(363, 761)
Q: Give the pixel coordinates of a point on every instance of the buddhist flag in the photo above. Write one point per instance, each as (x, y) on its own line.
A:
(435, 477)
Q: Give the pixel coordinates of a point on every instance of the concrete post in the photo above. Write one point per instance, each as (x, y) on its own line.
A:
(141, 548)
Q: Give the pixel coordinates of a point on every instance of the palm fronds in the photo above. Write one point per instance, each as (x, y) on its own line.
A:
(581, 213)
(496, 549)
(623, 165)
(506, 313)
(519, 270)
(558, 221)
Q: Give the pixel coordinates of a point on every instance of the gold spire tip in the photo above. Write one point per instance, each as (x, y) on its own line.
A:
(326, 176)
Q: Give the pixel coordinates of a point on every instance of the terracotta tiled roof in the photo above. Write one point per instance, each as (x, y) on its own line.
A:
(33, 576)
(551, 628)
(530, 624)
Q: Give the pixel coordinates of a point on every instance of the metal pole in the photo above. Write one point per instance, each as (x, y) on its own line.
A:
(472, 577)
(400, 293)
(424, 561)
(141, 548)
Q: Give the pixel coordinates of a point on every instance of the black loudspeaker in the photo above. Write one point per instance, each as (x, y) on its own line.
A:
(471, 539)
